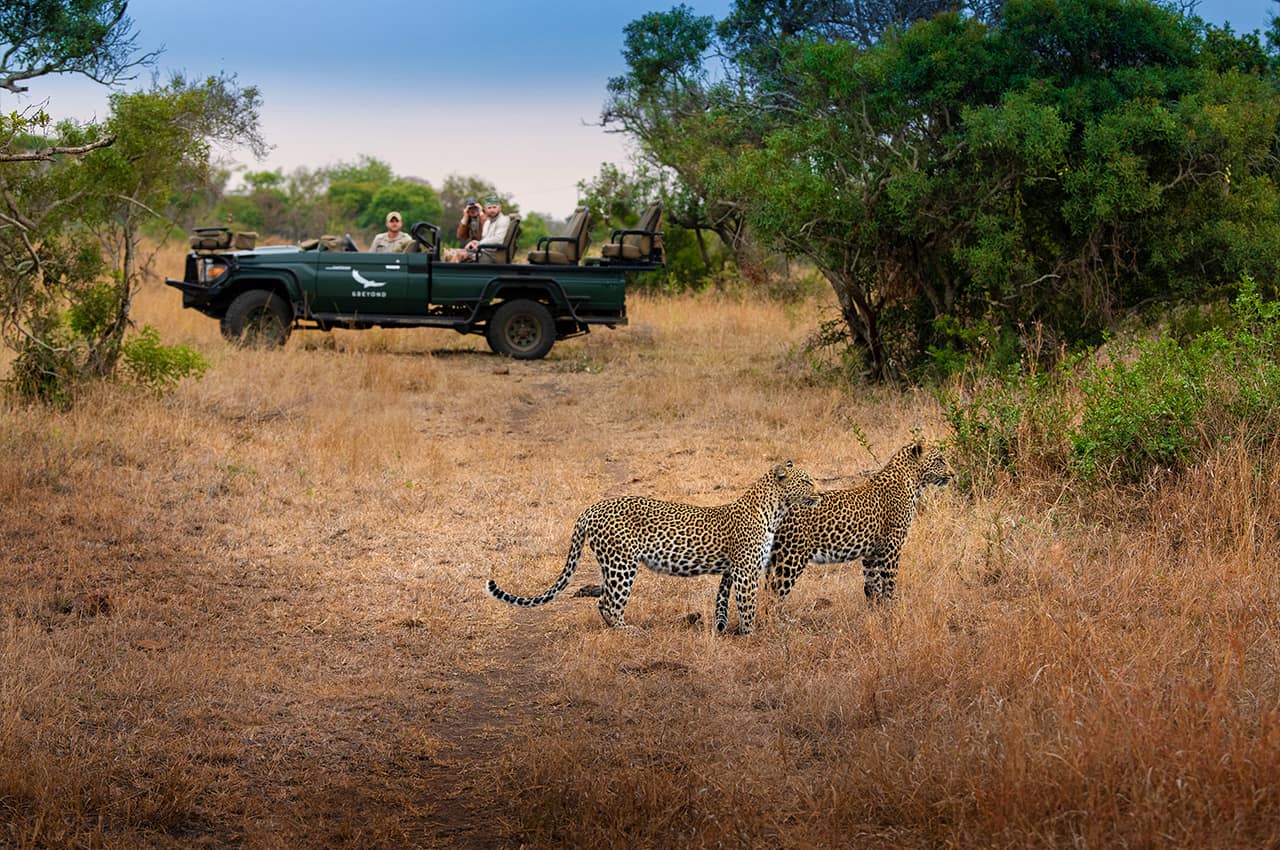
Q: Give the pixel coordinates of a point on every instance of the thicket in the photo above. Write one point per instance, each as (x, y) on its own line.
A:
(1126, 413)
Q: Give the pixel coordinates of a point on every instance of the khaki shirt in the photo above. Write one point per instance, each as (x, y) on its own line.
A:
(387, 244)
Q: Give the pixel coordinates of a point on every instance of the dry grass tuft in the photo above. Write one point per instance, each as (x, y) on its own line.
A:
(252, 615)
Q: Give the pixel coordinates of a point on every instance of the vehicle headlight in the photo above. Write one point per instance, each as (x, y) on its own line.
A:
(212, 270)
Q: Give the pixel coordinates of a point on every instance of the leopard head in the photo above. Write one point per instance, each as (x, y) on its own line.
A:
(795, 486)
(930, 466)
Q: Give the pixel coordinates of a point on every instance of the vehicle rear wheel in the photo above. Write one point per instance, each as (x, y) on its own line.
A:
(258, 319)
(522, 329)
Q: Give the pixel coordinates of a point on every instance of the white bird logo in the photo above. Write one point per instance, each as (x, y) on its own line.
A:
(364, 281)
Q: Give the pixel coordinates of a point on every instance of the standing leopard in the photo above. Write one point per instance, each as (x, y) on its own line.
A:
(681, 540)
(868, 522)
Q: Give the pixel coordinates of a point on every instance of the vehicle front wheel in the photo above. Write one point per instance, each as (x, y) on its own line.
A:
(258, 319)
(522, 329)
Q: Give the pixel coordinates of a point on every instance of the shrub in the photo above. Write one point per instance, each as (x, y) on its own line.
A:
(1153, 407)
(46, 367)
(159, 367)
(1171, 404)
(1006, 424)
(55, 360)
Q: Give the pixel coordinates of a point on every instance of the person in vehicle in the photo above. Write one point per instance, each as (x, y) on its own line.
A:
(493, 229)
(395, 239)
(469, 229)
(472, 223)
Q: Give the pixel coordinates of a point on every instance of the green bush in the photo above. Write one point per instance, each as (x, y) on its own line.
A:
(1005, 425)
(1170, 404)
(1152, 407)
(159, 367)
(54, 362)
(46, 368)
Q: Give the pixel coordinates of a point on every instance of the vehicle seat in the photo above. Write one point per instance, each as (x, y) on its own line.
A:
(210, 238)
(638, 244)
(569, 248)
(327, 242)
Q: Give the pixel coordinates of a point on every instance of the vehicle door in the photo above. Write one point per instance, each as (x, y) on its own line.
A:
(354, 283)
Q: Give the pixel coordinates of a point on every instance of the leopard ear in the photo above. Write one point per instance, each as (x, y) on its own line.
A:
(781, 470)
(917, 449)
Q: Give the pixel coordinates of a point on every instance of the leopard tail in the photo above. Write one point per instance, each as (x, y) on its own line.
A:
(566, 575)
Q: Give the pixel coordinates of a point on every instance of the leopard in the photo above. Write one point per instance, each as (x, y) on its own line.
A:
(870, 522)
(671, 538)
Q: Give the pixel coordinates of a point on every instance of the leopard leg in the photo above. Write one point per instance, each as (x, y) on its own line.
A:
(889, 576)
(872, 583)
(617, 590)
(746, 584)
(722, 601)
(880, 575)
(783, 575)
(790, 555)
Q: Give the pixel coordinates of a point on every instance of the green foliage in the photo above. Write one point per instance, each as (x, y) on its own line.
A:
(351, 190)
(1148, 408)
(980, 345)
(1141, 417)
(1165, 404)
(158, 367)
(90, 37)
(243, 212)
(347, 197)
(533, 227)
(415, 202)
(45, 369)
(1008, 423)
(66, 310)
(1059, 162)
(94, 310)
(661, 46)
(56, 361)
(618, 197)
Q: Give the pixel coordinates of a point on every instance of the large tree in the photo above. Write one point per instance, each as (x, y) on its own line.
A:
(1072, 159)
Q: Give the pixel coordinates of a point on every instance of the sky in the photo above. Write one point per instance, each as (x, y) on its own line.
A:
(508, 93)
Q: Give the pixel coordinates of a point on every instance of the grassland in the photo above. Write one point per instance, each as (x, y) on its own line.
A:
(252, 614)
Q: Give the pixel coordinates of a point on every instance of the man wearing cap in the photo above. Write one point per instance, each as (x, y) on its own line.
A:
(492, 229)
(395, 239)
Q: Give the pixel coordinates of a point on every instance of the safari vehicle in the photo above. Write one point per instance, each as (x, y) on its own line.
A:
(260, 294)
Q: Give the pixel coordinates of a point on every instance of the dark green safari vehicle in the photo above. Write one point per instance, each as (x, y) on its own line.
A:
(260, 294)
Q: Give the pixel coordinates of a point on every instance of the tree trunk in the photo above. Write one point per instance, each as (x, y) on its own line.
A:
(863, 320)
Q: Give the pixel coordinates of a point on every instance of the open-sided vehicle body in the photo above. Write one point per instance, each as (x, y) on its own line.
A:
(261, 293)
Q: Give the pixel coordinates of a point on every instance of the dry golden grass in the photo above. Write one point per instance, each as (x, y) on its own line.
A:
(252, 614)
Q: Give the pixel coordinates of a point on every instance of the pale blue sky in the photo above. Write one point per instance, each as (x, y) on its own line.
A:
(508, 96)
(1243, 15)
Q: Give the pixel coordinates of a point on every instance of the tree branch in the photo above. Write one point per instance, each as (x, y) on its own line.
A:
(48, 154)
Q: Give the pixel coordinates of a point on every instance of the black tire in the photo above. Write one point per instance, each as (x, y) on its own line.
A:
(521, 329)
(258, 319)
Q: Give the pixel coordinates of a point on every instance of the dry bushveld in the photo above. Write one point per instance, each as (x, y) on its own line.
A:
(252, 614)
